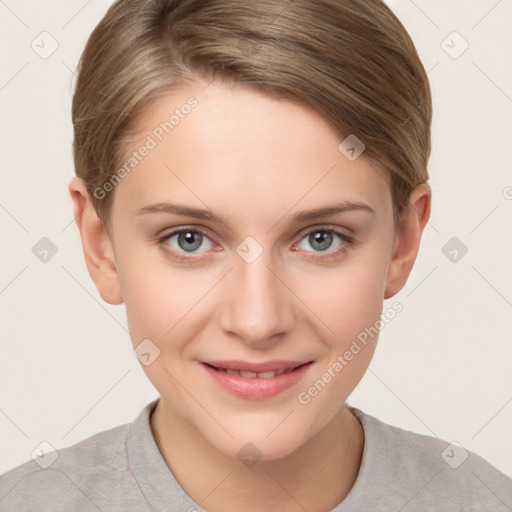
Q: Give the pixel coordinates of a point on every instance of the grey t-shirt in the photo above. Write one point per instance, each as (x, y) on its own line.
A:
(122, 469)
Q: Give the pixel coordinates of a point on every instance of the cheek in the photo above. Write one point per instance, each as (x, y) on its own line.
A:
(348, 298)
(350, 303)
(158, 297)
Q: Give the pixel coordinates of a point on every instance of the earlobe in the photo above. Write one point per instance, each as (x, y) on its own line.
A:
(96, 244)
(407, 239)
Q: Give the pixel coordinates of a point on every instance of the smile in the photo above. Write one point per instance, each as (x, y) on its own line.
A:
(252, 375)
(256, 381)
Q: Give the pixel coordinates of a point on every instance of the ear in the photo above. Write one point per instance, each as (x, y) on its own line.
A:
(407, 239)
(96, 244)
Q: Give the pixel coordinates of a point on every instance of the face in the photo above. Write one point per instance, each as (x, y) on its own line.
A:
(250, 286)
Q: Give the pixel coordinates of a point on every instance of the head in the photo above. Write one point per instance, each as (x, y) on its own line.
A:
(246, 110)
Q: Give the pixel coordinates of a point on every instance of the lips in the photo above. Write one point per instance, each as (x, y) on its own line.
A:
(253, 375)
(267, 366)
(256, 380)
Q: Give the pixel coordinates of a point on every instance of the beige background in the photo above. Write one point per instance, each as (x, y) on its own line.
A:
(442, 367)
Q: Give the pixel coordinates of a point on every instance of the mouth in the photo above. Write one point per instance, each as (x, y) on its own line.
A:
(256, 380)
(253, 375)
(247, 374)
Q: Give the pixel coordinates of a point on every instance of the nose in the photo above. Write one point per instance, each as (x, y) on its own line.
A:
(257, 305)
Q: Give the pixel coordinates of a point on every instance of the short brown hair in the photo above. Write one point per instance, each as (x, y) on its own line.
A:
(352, 61)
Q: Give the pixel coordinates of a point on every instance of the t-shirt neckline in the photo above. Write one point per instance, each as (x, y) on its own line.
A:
(155, 478)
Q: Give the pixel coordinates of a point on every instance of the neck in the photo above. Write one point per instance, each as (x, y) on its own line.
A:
(317, 476)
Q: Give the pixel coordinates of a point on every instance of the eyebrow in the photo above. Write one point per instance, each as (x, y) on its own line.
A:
(196, 213)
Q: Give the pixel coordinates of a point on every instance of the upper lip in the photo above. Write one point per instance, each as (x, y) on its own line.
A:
(267, 366)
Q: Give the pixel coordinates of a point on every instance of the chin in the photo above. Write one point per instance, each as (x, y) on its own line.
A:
(258, 445)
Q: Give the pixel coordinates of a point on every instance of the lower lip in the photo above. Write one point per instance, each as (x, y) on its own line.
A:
(257, 388)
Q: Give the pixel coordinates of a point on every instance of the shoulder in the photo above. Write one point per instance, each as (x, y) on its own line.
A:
(428, 472)
(79, 477)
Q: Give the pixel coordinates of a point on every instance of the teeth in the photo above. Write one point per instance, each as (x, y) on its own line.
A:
(248, 375)
(266, 375)
(252, 375)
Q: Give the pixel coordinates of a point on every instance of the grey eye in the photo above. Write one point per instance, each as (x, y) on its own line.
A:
(188, 240)
(321, 239)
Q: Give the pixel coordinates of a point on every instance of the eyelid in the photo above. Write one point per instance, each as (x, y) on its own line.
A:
(161, 239)
(179, 229)
(326, 227)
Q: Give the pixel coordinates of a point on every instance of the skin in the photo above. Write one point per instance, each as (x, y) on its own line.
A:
(256, 161)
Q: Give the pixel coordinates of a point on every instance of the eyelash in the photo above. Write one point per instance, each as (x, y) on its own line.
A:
(349, 242)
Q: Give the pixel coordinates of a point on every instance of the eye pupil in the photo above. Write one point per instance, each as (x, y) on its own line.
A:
(188, 237)
(325, 239)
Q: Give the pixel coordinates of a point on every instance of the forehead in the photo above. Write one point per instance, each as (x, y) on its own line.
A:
(234, 149)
